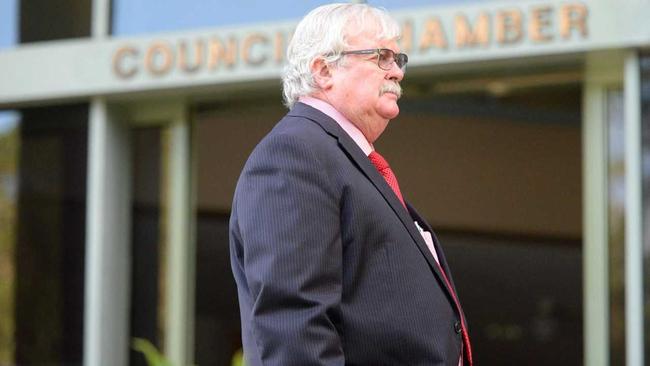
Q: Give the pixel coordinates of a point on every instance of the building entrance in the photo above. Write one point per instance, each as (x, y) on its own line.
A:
(493, 162)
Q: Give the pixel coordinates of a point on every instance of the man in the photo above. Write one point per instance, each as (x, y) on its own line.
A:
(332, 266)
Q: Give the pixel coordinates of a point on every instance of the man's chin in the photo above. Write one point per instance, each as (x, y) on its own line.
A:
(389, 112)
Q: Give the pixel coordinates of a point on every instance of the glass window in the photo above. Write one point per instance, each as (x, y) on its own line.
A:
(147, 273)
(42, 235)
(497, 173)
(506, 166)
(543, 275)
(8, 23)
(42, 20)
(225, 137)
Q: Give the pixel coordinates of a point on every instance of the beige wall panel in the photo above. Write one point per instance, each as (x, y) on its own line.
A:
(225, 139)
(489, 175)
(461, 173)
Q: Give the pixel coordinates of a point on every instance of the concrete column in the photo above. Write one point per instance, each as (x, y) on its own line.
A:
(634, 319)
(108, 229)
(181, 247)
(603, 72)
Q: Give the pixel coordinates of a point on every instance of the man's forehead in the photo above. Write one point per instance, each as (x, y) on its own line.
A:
(369, 31)
(370, 39)
(356, 26)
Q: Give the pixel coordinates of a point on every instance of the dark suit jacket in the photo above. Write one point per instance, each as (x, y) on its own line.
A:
(330, 268)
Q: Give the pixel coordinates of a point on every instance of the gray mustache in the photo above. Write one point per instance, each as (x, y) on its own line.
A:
(394, 88)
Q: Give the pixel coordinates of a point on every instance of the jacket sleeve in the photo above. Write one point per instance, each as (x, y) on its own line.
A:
(288, 220)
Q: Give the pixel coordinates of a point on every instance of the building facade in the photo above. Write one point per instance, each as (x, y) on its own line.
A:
(524, 138)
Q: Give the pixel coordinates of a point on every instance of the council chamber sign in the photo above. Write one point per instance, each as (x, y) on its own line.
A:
(212, 58)
(428, 36)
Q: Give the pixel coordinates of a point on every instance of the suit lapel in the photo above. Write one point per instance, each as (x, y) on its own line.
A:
(361, 160)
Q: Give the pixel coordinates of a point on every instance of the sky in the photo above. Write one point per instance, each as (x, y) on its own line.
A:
(8, 120)
(149, 16)
(8, 20)
(131, 17)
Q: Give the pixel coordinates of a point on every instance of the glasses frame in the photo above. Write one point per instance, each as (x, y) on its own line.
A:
(399, 59)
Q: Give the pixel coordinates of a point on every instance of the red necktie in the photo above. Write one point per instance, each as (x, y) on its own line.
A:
(384, 169)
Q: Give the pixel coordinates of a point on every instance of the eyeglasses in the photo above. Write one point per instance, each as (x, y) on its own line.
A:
(385, 57)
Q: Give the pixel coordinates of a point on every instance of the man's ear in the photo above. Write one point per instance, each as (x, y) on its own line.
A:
(321, 71)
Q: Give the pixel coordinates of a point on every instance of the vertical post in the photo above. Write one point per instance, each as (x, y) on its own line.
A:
(181, 244)
(108, 227)
(633, 214)
(602, 72)
(595, 254)
(101, 12)
(107, 240)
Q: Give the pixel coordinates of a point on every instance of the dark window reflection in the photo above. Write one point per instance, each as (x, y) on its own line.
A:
(522, 296)
(217, 333)
(146, 241)
(45, 20)
(49, 251)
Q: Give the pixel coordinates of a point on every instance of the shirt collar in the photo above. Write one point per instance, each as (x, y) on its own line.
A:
(345, 123)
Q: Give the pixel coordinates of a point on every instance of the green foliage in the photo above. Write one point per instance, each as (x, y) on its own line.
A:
(155, 358)
(238, 359)
(151, 353)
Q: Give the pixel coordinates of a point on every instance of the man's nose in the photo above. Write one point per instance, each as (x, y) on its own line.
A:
(395, 73)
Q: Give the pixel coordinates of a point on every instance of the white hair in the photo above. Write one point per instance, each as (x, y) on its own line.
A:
(323, 33)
